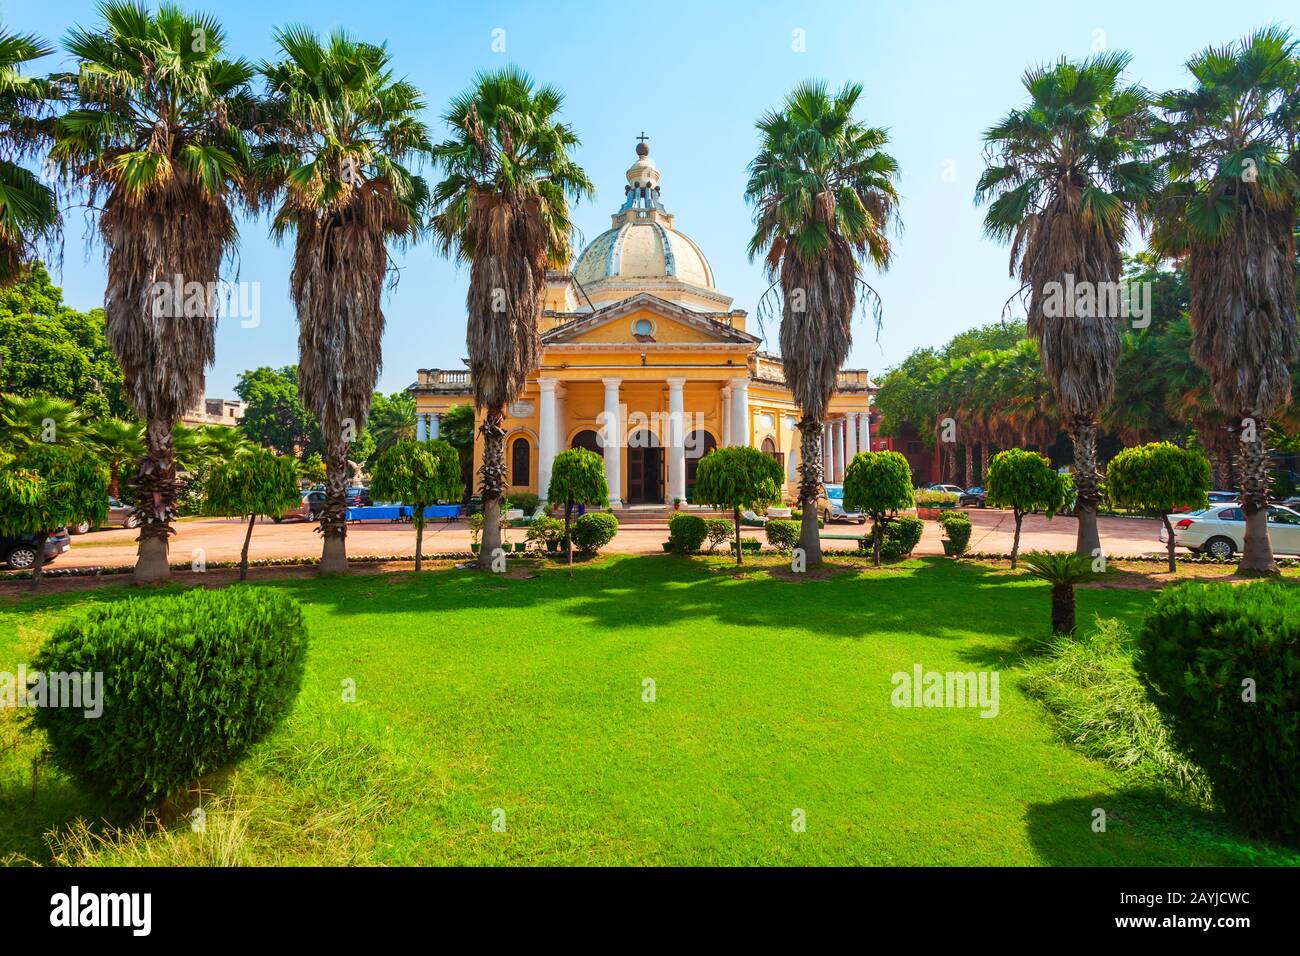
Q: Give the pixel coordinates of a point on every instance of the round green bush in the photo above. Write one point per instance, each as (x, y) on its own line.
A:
(782, 533)
(719, 531)
(1202, 652)
(190, 682)
(902, 535)
(594, 530)
(957, 527)
(686, 532)
(526, 501)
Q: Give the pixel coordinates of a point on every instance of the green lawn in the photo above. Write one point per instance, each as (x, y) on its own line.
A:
(477, 692)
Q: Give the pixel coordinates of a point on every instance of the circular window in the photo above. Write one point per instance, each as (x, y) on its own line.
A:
(643, 327)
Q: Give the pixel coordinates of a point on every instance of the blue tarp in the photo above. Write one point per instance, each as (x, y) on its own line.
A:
(433, 511)
(375, 513)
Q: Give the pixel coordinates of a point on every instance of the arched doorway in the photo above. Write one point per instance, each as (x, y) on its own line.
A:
(645, 468)
(520, 463)
(589, 440)
(698, 444)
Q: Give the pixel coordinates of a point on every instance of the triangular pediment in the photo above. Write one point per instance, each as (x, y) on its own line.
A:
(669, 324)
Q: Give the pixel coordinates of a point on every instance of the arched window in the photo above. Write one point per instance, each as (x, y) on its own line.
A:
(519, 464)
(589, 440)
(769, 446)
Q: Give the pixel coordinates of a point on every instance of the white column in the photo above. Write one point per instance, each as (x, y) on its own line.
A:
(677, 439)
(612, 437)
(851, 433)
(839, 446)
(828, 454)
(547, 438)
(435, 424)
(864, 430)
(740, 411)
(725, 439)
(420, 433)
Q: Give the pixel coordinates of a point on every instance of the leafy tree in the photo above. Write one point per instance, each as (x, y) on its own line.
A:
(50, 348)
(1157, 478)
(274, 415)
(738, 477)
(1024, 481)
(120, 445)
(825, 194)
(392, 420)
(312, 468)
(504, 208)
(253, 482)
(878, 482)
(39, 419)
(1230, 209)
(29, 210)
(1067, 174)
(457, 428)
(47, 486)
(419, 474)
(1062, 570)
(155, 135)
(342, 139)
(577, 477)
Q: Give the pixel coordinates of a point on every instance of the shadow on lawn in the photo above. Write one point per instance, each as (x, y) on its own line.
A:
(1144, 827)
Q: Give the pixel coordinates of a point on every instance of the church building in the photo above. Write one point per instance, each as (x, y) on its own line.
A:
(645, 362)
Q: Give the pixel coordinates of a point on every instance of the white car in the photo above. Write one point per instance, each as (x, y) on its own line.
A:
(1220, 530)
(949, 489)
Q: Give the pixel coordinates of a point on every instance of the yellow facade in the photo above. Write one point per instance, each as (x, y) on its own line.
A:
(644, 362)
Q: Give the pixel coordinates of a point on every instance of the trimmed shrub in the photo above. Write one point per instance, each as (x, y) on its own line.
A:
(545, 532)
(928, 498)
(1222, 662)
(957, 527)
(686, 532)
(594, 530)
(719, 531)
(902, 535)
(750, 544)
(190, 682)
(782, 533)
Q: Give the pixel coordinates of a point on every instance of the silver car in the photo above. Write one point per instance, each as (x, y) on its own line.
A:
(830, 506)
(1220, 530)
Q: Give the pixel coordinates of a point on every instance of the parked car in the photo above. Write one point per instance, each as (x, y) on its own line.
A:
(830, 506)
(359, 497)
(975, 497)
(948, 489)
(19, 553)
(309, 509)
(119, 515)
(1220, 530)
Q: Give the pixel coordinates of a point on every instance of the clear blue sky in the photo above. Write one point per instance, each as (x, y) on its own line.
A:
(694, 76)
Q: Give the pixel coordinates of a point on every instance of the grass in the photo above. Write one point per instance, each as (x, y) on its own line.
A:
(482, 697)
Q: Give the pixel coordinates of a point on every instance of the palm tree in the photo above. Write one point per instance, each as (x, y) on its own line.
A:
(504, 208)
(120, 445)
(1230, 209)
(156, 128)
(825, 197)
(221, 443)
(340, 139)
(33, 419)
(29, 211)
(1065, 176)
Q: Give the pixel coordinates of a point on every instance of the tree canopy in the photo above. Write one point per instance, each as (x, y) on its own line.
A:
(738, 477)
(878, 482)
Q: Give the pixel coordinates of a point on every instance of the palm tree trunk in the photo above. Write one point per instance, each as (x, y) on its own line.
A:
(155, 503)
(419, 540)
(1062, 608)
(810, 483)
(334, 516)
(1083, 434)
(984, 462)
(243, 555)
(1252, 465)
(492, 476)
(969, 453)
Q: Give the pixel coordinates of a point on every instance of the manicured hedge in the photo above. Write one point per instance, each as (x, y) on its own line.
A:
(1201, 651)
(686, 532)
(782, 533)
(190, 682)
(594, 530)
(902, 535)
(957, 527)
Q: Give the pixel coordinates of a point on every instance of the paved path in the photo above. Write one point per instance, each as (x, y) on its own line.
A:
(221, 538)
